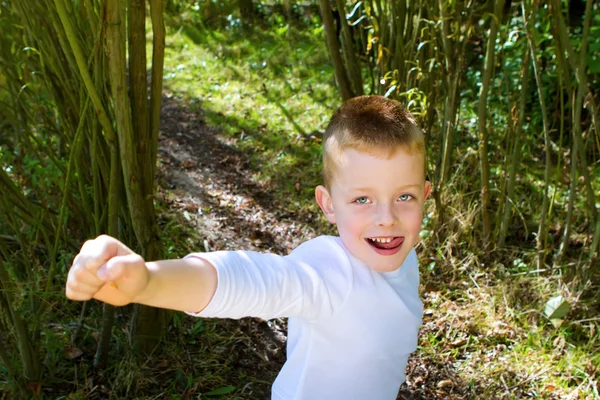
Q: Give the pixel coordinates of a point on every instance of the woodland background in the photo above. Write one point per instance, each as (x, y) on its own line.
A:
(180, 126)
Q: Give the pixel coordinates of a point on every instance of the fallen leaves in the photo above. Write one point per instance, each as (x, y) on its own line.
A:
(445, 384)
(71, 353)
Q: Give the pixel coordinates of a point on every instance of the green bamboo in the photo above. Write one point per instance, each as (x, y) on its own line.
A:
(158, 57)
(578, 149)
(482, 123)
(63, 216)
(151, 324)
(138, 85)
(591, 195)
(349, 53)
(516, 153)
(4, 357)
(85, 75)
(341, 75)
(30, 360)
(108, 311)
(542, 229)
(595, 242)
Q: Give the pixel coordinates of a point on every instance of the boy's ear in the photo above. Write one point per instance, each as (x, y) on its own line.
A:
(324, 200)
(427, 189)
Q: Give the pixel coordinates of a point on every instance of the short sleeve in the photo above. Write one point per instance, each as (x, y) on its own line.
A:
(309, 283)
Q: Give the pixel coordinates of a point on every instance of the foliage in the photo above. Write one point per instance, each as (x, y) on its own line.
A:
(62, 173)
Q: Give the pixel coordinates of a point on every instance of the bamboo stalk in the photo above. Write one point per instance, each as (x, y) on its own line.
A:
(28, 355)
(85, 75)
(595, 242)
(152, 322)
(349, 53)
(482, 123)
(108, 311)
(516, 153)
(138, 85)
(341, 74)
(4, 357)
(158, 57)
(591, 195)
(542, 230)
(63, 215)
(578, 149)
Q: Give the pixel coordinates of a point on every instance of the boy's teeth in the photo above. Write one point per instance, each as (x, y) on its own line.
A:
(382, 240)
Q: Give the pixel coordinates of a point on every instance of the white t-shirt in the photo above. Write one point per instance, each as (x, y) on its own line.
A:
(350, 330)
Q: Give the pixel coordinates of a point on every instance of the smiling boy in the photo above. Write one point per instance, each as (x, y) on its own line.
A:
(352, 300)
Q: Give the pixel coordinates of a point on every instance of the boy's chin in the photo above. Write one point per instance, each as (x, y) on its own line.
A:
(386, 268)
(387, 263)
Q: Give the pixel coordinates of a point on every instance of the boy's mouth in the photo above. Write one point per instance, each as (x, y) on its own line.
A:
(386, 245)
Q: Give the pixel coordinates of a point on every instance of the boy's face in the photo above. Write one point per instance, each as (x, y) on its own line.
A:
(377, 205)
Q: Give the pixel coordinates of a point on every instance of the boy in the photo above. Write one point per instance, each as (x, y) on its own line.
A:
(352, 300)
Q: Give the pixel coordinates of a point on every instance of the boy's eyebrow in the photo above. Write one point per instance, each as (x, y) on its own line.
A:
(403, 187)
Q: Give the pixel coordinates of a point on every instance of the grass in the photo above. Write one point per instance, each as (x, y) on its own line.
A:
(499, 343)
(270, 93)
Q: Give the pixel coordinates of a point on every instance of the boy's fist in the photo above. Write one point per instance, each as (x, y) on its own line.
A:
(107, 270)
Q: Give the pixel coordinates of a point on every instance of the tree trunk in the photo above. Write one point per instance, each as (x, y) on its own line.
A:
(341, 74)
(158, 57)
(149, 326)
(351, 60)
(138, 84)
(246, 12)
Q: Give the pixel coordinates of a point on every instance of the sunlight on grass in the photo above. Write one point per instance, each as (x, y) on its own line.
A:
(500, 355)
(270, 97)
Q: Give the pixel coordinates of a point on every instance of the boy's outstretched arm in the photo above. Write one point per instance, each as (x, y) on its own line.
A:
(107, 270)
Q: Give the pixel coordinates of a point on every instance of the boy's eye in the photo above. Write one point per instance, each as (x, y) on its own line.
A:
(404, 197)
(361, 200)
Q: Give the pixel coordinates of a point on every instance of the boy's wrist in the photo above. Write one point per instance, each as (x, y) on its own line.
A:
(148, 291)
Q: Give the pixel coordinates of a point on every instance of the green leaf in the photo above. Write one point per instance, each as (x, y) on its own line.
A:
(557, 307)
(390, 91)
(594, 47)
(593, 64)
(220, 391)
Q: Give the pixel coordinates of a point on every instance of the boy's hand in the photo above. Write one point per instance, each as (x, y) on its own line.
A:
(107, 270)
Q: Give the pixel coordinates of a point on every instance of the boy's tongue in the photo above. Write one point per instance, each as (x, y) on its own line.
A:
(397, 241)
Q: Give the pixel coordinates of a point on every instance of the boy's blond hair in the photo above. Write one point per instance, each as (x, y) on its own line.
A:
(369, 124)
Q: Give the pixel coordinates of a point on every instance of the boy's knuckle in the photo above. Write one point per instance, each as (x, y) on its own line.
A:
(76, 286)
(72, 285)
(78, 274)
(72, 294)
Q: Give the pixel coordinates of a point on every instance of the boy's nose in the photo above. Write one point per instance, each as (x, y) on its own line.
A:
(386, 216)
